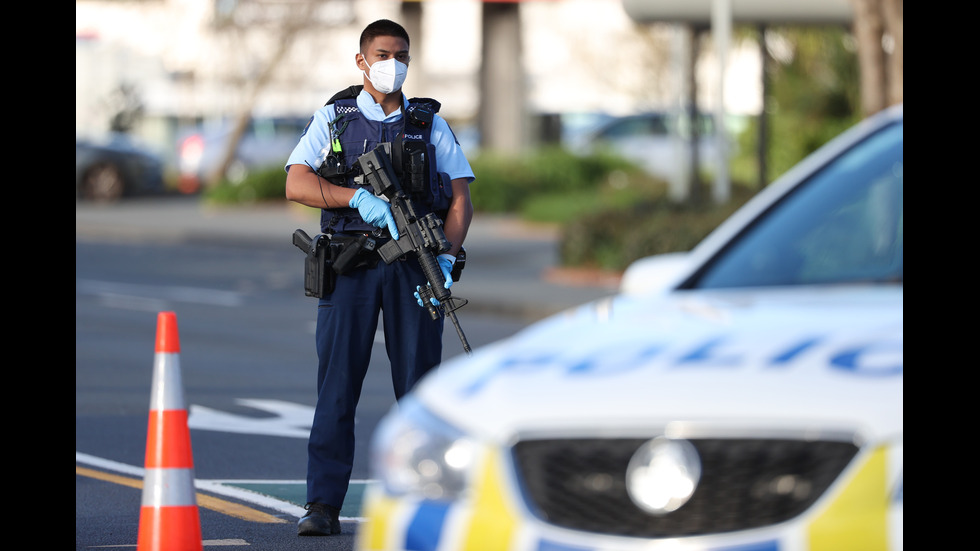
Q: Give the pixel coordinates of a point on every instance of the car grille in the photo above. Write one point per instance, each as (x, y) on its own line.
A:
(745, 483)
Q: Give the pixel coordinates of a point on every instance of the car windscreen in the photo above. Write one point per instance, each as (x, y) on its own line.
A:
(844, 224)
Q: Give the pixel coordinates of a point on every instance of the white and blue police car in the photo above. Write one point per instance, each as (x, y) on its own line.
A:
(744, 396)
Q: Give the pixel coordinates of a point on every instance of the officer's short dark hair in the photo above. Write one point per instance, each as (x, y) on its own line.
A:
(382, 27)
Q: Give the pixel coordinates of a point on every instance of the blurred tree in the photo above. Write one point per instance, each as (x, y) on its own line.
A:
(814, 91)
(878, 28)
(285, 19)
(125, 107)
(826, 74)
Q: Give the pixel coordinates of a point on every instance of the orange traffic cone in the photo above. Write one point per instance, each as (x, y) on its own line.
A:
(169, 519)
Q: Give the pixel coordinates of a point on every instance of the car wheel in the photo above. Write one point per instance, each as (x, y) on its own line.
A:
(103, 184)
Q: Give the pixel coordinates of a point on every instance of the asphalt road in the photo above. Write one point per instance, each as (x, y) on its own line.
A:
(139, 257)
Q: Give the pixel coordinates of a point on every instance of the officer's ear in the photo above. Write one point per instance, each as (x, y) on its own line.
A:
(358, 57)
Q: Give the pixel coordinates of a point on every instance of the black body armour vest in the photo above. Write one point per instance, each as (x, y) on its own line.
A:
(412, 156)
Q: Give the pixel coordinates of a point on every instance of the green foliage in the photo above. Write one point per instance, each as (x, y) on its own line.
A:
(819, 76)
(814, 95)
(259, 185)
(561, 207)
(506, 184)
(611, 213)
(612, 238)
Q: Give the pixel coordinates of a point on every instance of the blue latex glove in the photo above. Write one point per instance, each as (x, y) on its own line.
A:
(374, 211)
(446, 265)
(419, 298)
(446, 262)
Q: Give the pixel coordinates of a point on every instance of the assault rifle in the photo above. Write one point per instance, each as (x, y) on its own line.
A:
(422, 235)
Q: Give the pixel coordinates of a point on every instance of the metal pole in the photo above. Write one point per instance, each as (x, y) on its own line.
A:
(721, 31)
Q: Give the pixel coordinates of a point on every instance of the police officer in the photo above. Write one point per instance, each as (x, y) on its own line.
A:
(321, 172)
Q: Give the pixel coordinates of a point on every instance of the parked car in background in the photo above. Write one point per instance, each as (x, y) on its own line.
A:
(266, 142)
(110, 167)
(745, 395)
(657, 142)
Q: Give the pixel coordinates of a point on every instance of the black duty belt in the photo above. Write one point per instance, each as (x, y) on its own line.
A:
(353, 250)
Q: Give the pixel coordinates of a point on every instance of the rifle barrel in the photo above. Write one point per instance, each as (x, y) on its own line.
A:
(459, 331)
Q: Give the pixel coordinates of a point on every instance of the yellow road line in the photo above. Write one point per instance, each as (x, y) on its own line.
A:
(213, 503)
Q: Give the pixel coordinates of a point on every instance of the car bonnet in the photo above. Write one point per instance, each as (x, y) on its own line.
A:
(820, 358)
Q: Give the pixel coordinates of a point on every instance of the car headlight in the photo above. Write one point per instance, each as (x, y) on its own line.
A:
(415, 452)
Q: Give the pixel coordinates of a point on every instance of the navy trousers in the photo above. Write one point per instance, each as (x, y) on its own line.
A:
(346, 323)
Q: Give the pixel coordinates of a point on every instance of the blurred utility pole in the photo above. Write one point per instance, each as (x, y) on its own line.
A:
(695, 193)
(762, 141)
(412, 21)
(721, 34)
(502, 113)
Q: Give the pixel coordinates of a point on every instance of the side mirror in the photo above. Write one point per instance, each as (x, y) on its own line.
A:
(654, 274)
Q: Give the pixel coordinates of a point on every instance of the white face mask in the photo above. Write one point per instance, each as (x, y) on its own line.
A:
(387, 75)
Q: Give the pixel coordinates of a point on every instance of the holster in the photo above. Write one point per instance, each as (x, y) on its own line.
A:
(318, 277)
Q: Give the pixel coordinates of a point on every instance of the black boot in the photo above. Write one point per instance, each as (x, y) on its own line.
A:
(319, 520)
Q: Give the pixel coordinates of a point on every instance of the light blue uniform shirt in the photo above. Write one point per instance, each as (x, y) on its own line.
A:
(315, 141)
